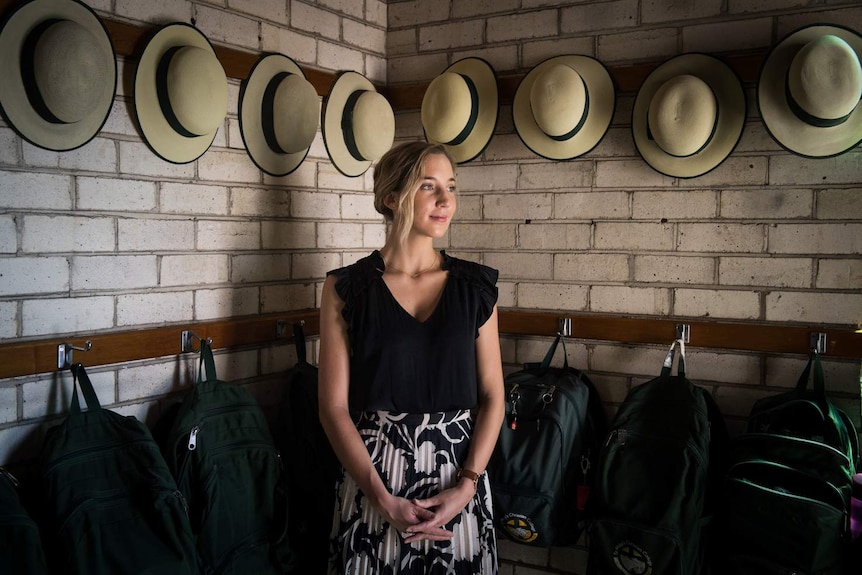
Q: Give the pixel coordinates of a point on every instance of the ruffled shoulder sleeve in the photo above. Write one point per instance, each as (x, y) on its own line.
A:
(351, 281)
(482, 278)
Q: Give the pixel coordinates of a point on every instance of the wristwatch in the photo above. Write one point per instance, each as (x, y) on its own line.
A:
(469, 474)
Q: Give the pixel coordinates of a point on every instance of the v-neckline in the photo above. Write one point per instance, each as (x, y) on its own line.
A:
(444, 267)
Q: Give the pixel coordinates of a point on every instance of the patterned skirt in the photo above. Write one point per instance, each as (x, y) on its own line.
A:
(416, 455)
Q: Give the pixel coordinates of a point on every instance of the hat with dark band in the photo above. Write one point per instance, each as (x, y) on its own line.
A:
(809, 91)
(59, 73)
(460, 107)
(180, 93)
(279, 113)
(358, 124)
(688, 115)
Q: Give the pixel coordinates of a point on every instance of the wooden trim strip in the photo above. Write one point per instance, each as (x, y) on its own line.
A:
(40, 356)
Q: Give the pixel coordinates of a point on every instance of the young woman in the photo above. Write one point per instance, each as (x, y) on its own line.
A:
(411, 385)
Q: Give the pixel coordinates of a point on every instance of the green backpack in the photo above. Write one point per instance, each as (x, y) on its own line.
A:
(20, 541)
(787, 492)
(656, 479)
(220, 449)
(112, 503)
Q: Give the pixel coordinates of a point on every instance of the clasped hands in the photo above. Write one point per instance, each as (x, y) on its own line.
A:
(426, 519)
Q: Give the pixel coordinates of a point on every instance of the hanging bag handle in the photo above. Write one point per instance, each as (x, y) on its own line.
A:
(80, 378)
(207, 363)
(819, 385)
(546, 363)
(299, 342)
(667, 366)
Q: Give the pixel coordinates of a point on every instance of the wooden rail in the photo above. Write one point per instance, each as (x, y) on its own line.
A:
(40, 356)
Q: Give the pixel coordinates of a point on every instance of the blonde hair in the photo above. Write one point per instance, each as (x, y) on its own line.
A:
(399, 172)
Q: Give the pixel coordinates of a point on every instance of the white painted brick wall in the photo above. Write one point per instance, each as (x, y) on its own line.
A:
(155, 11)
(155, 235)
(665, 11)
(260, 268)
(815, 239)
(733, 238)
(8, 235)
(8, 404)
(33, 275)
(674, 269)
(308, 18)
(9, 145)
(540, 236)
(111, 194)
(99, 155)
(287, 297)
(44, 234)
(592, 205)
(213, 304)
(41, 317)
(114, 272)
(619, 299)
(179, 198)
(633, 236)
(591, 267)
(765, 204)
(278, 235)
(27, 190)
(731, 304)
(839, 274)
(839, 204)
(552, 296)
(197, 269)
(774, 272)
(8, 319)
(228, 235)
(599, 16)
(835, 308)
(154, 308)
(673, 205)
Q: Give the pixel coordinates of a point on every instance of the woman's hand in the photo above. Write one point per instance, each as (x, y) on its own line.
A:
(408, 516)
(443, 507)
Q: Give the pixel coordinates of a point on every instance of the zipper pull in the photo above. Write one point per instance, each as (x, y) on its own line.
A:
(193, 438)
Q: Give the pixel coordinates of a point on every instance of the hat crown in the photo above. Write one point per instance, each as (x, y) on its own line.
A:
(558, 100)
(446, 107)
(825, 78)
(69, 70)
(296, 109)
(197, 89)
(682, 115)
(373, 125)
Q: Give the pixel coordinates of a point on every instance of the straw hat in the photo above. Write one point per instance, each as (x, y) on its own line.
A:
(459, 108)
(180, 93)
(59, 73)
(358, 124)
(563, 106)
(809, 91)
(279, 112)
(688, 115)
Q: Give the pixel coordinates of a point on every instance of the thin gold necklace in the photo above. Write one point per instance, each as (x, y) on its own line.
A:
(414, 275)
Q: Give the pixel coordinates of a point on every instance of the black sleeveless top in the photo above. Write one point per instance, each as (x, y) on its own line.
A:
(401, 364)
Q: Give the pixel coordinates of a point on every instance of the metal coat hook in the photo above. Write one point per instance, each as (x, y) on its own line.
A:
(683, 332)
(65, 352)
(564, 326)
(282, 325)
(817, 342)
(188, 338)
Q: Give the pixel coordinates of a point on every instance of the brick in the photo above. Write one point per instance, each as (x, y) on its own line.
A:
(119, 121)
(518, 206)
(838, 376)
(158, 11)
(795, 170)
(633, 236)
(839, 274)
(256, 201)
(375, 11)
(8, 235)
(317, 205)
(674, 205)
(591, 267)
(234, 366)
(734, 171)
(835, 308)
(8, 319)
(507, 147)
(33, 275)
(553, 296)
(376, 69)
(9, 147)
(749, 6)
(495, 236)
(8, 404)
(114, 272)
(487, 178)
(278, 359)
(483, 8)
(575, 174)
(728, 36)
(228, 235)
(737, 401)
(424, 67)
(226, 302)
(228, 167)
(348, 7)
(361, 207)
(288, 235)
(260, 268)
(286, 297)
(154, 308)
(617, 142)
(21, 442)
(839, 204)
(45, 234)
(728, 304)
(330, 178)
(815, 239)
(722, 367)
(620, 299)
(301, 47)
(338, 235)
(312, 19)
(373, 235)
(109, 194)
(522, 265)
(629, 174)
(29, 190)
(365, 36)
(850, 17)
(506, 294)
(274, 10)
(770, 272)
(144, 381)
(223, 27)
(534, 348)
(98, 155)
(401, 42)
(553, 236)
(177, 198)
(599, 16)
(194, 269)
(136, 158)
(674, 269)
(755, 137)
(766, 203)
(538, 24)
(66, 315)
(155, 235)
(591, 205)
(657, 43)
(53, 397)
(663, 11)
(314, 265)
(338, 57)
(733, 238)
(534, 52)
(417, 12)
(622, 359)
(451, 35)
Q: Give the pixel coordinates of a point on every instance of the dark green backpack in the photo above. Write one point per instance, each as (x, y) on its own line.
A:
(787, 492)
(656, 479)
(20, 541)
(111, 500)
(221, 452)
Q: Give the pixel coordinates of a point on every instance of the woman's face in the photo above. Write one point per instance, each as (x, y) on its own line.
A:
(435, 201)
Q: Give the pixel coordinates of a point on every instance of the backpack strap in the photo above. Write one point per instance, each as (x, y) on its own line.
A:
(819, 386)
(546, 362)
(80, 378)
(299, 342)
(667, 366)
(207, 363)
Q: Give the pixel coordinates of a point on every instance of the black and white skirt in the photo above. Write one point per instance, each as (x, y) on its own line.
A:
(417, 456)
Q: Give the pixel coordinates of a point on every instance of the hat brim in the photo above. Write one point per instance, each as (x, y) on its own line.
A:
(731, 106)
(333, 135)
(602, 101)
(14, 102)
(485, 81)
(158, 133)
(785, 127)
(271, 161)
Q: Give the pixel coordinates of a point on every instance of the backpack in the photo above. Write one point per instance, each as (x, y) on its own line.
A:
(20, 541)
(312, 467)
(786, 496)
(112, 502)
(541, 467)
(221, 452)
(657, 478)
